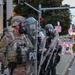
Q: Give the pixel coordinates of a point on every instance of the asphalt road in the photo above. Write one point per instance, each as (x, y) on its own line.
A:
(71, 69)
(64, 64)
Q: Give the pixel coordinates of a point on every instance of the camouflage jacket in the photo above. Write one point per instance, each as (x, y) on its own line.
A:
(11, 40)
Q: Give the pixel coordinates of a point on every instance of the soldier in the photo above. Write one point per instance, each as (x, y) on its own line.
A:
(3, 46)
(17, 45)
(36, 35)
(49, 33)
(33, 31)
(31, 24)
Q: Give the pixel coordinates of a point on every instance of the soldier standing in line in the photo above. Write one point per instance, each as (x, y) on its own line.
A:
(50, 34)
(34, 32)
(15, 40)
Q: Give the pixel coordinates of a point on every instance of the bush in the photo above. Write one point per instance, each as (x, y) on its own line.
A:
(73, 47)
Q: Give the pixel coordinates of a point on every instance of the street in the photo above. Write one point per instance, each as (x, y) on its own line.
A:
(71, 69)
(63, 65)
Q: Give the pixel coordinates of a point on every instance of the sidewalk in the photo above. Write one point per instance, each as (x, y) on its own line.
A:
(64, 64)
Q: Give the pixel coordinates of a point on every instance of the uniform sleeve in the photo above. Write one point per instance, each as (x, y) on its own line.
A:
(7, 38)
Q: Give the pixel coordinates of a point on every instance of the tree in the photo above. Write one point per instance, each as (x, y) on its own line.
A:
(50, 16)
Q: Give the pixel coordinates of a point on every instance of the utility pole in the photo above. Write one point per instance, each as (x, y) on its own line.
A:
(45, 9)
(52, 8)
(39, 11)
(57, 8)
(39, 14)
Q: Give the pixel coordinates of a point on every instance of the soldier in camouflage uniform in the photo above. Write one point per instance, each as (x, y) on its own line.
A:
(16, 46)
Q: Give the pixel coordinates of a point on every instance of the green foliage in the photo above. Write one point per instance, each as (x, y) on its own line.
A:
(51, 16)
(67, 48)
(73, 47)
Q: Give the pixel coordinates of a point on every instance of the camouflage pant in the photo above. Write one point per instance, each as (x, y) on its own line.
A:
(21, 69)
(27, 68)
(3, 59)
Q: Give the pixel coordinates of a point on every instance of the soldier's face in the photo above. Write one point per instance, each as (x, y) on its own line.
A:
(16, 29)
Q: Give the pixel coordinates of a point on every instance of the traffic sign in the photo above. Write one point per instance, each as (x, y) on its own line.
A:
(70, 31)
(58, 29)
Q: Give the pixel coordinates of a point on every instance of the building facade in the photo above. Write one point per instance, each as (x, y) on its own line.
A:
(6, 11)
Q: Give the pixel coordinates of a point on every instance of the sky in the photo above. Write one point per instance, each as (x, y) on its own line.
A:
(72, 4)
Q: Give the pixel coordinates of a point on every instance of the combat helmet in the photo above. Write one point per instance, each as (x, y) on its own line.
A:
(30, 20)
(31, 23)
(49, 26)
(17, 20)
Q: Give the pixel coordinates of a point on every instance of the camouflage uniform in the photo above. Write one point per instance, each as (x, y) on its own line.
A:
(12, 41)
(3, 45)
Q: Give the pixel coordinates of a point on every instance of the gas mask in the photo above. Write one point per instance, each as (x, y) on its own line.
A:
(22, 29)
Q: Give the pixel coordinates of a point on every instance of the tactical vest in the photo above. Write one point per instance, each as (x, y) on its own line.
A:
(17, 48)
